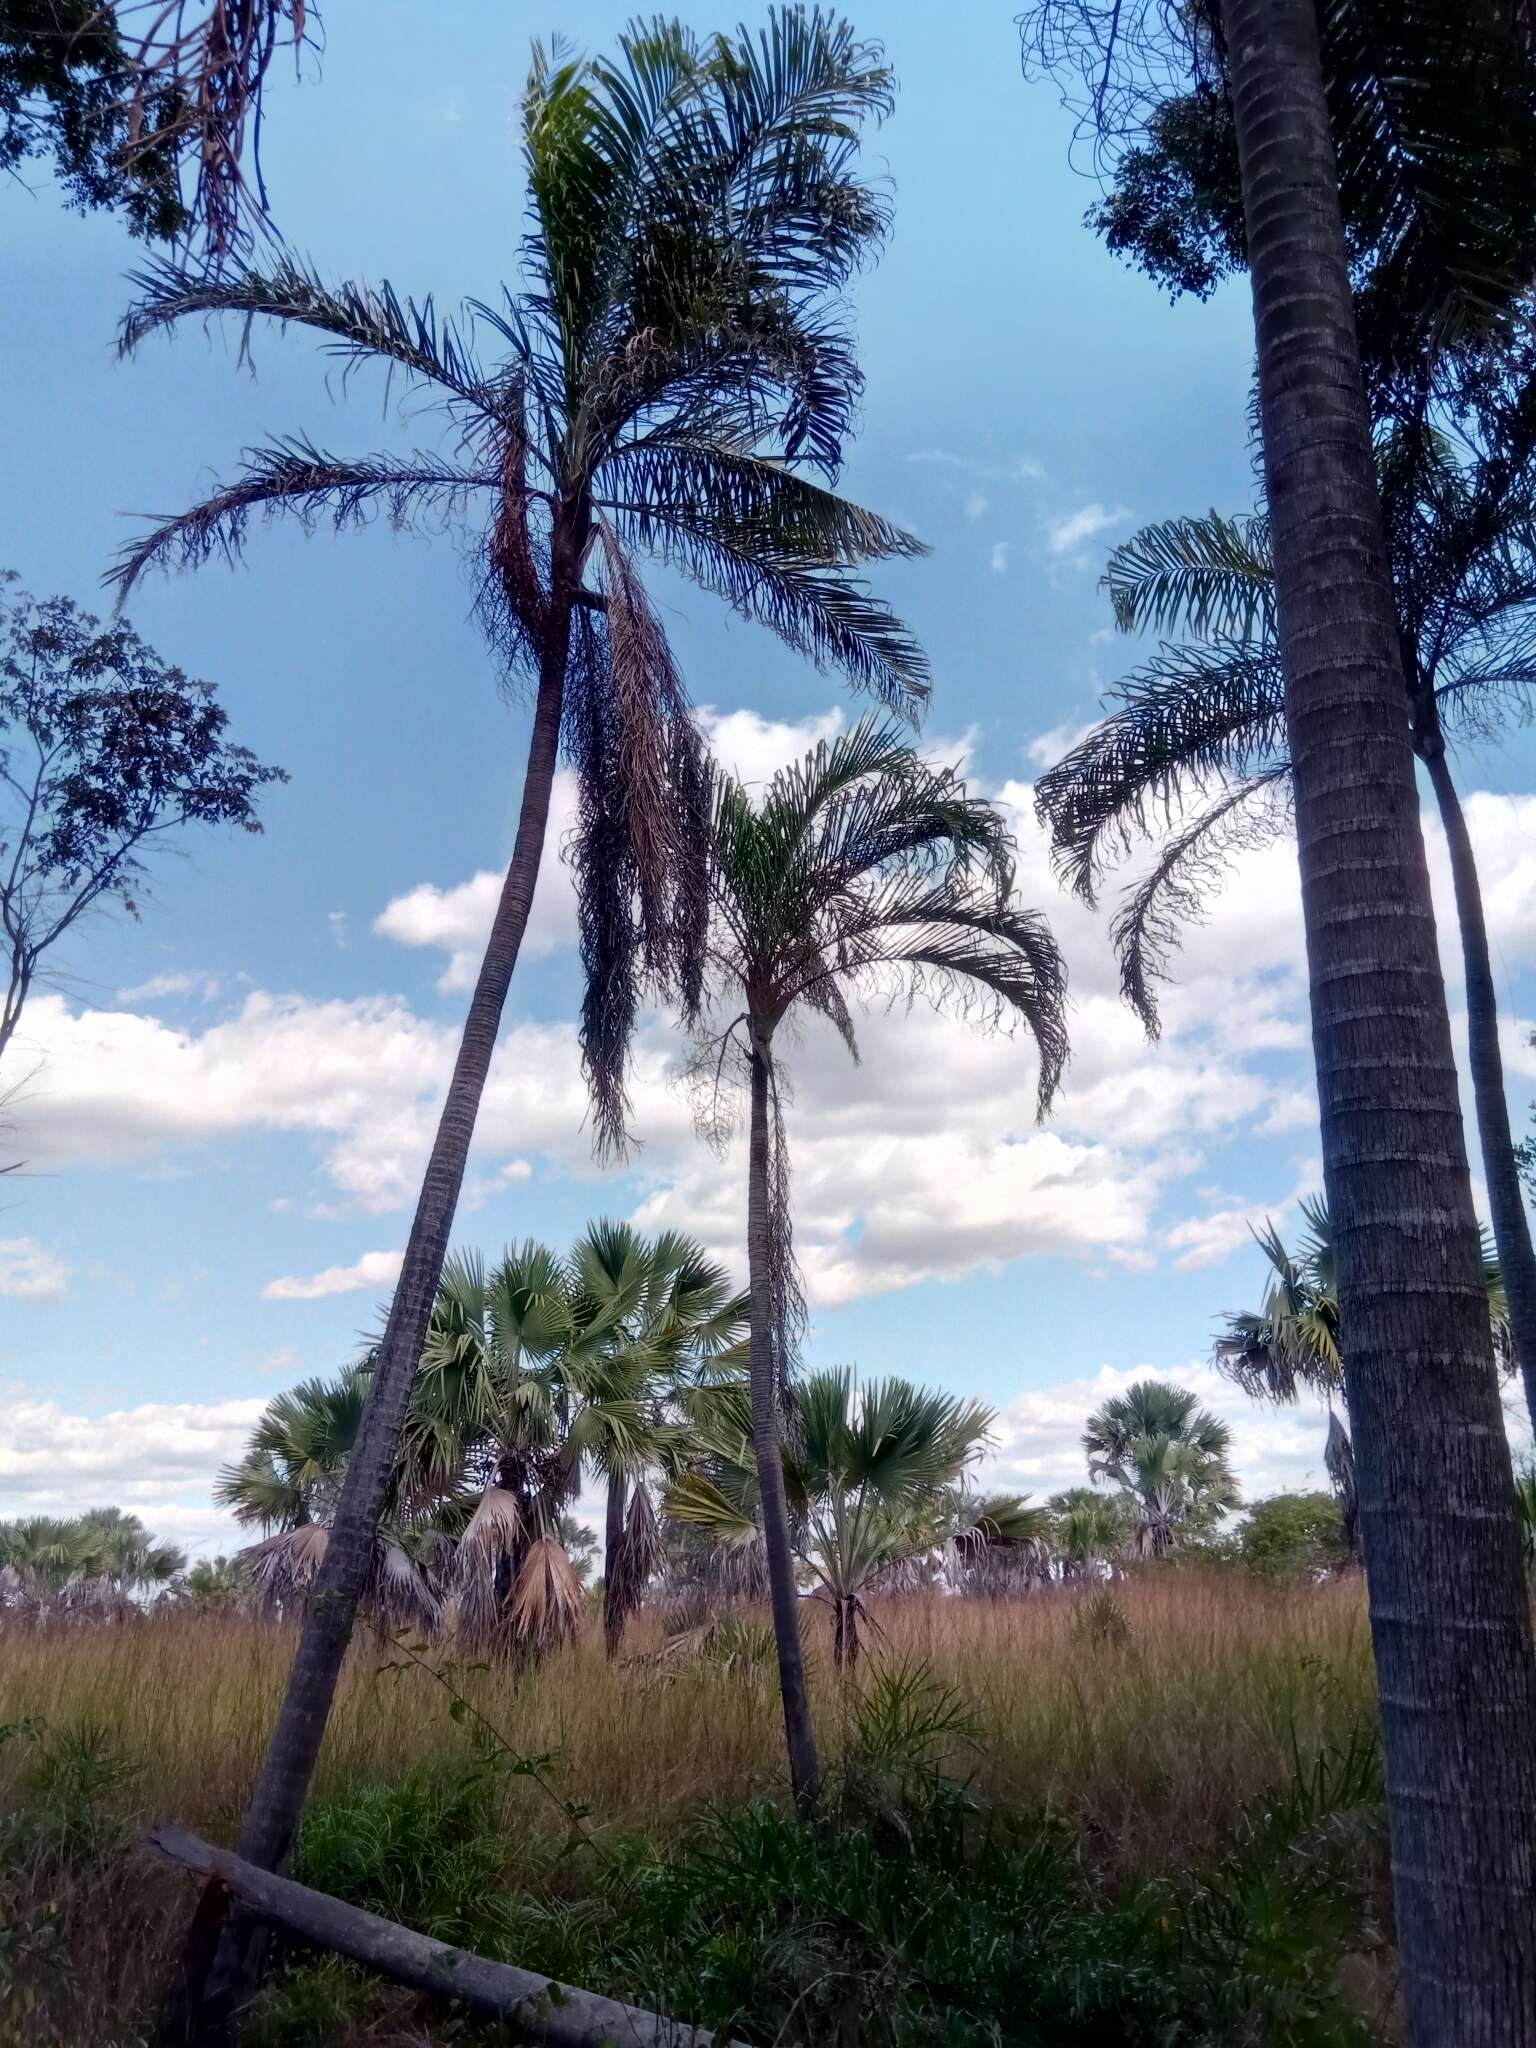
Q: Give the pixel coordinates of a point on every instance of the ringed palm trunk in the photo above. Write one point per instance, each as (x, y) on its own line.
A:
(1449, 1615)
(221, 1949)
(613, 1547)
(779, 1553)
(1506, 1203)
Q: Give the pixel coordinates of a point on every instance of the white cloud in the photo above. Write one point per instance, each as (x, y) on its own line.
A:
(1022, 468)
(998, 559)
(1039, 1433)
(976, 504)
(1047, 748)
(29, 1271)
(337, 920)
(457, 920)
(284, 1364)
(753, 748)
(1088, 521)
(180, 982)
(373, 1269)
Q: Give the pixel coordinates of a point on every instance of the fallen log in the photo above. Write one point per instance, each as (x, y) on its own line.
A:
(555, 2015)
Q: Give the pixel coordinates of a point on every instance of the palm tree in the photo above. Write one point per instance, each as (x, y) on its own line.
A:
(1169, 1458)
(1450, 1608)
(671, 369)
(1088, 1529)
(1202, 725)
(664, 1312)
(102, 1558)
(861, 868)
(1292, 1341)
(1430, 230)
(866, 1471)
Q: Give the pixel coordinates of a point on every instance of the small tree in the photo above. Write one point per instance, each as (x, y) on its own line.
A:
(104, 750)
(1168, 1457)
(1289, 1534)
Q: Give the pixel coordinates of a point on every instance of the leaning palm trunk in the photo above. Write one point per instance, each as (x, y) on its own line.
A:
(1506, 1204)
(1450, 1619)
(271, 1820)
(766, 1421)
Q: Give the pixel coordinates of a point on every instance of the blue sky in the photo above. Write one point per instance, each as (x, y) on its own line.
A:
(224, 1106)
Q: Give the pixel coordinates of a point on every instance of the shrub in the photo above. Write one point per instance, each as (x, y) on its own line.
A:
(1294, 1534)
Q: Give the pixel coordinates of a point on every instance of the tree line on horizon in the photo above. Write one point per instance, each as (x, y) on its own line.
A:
(675, 380)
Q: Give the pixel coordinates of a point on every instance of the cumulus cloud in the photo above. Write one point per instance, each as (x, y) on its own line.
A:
(1039, 1432)
(1086, 523)
(373, 1269)
(29, 1271)
(457, 920)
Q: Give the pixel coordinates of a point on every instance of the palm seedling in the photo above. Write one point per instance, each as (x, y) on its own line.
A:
(862, 869)
(674, 381)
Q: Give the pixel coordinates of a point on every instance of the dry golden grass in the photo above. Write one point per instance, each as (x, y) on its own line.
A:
(1151, 1743)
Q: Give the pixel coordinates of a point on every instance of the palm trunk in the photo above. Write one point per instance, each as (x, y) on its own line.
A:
(1506, 1203)
(613, 1547)
(216, 1983)
(845, 1632)
(798, 1733)
(1449, 1614)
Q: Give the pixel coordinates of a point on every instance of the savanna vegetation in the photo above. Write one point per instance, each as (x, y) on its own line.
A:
(820, 1737)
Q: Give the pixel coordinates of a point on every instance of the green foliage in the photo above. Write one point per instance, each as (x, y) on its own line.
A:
(65, 101)
(1168, 1457)
(953, 1924)
(429, 1850)
(72, 1788)
(1290, 1534)
(307, 2006)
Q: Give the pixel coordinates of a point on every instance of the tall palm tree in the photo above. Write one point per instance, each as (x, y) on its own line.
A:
(664, 1311)
(1200, 729)
(1088, 1529)
(100, 1559)
(672, 367)
(1169, 1458)
(1292, 1340)
(1450, 1611)
(866, 1470)
(861, 868)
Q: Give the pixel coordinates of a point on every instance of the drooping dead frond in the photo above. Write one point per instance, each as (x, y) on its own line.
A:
(487, 1556)
(631, 1570)
(399, 1590)
(281, 1570)
(547, 1601)
(641, 842)
(1339, 1459)
(195, 84)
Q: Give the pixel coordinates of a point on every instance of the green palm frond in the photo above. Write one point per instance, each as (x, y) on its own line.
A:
(1209, 576)
(295, 477)
(1189, 720)
(361, 323)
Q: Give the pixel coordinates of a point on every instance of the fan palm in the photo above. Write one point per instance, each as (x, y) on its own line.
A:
(661, 1311)
(860, 869)
(1292, 1341)
(1196, 738)
(671, 370)
(1169, 1458)
(865, 1471)
(101, 1558)
(1088, 1529)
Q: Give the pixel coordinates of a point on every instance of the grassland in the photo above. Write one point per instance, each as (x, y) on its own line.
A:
(1130, 1747)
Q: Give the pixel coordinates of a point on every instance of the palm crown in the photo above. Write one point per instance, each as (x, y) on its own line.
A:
(673, 366)
(864, 869)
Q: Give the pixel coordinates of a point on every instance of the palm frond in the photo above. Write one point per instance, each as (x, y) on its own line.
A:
(294, 476)
(1149, 925)
(1191, 717)
(1208, 576)
(362, 323)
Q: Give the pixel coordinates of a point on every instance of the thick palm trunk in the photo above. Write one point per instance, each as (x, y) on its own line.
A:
(217, 1981)
(1506, 1203)
(779, 1552)
(613, 1545)
(1449, 1614)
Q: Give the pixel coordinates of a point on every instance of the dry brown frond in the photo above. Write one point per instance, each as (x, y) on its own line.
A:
(547, 1603)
